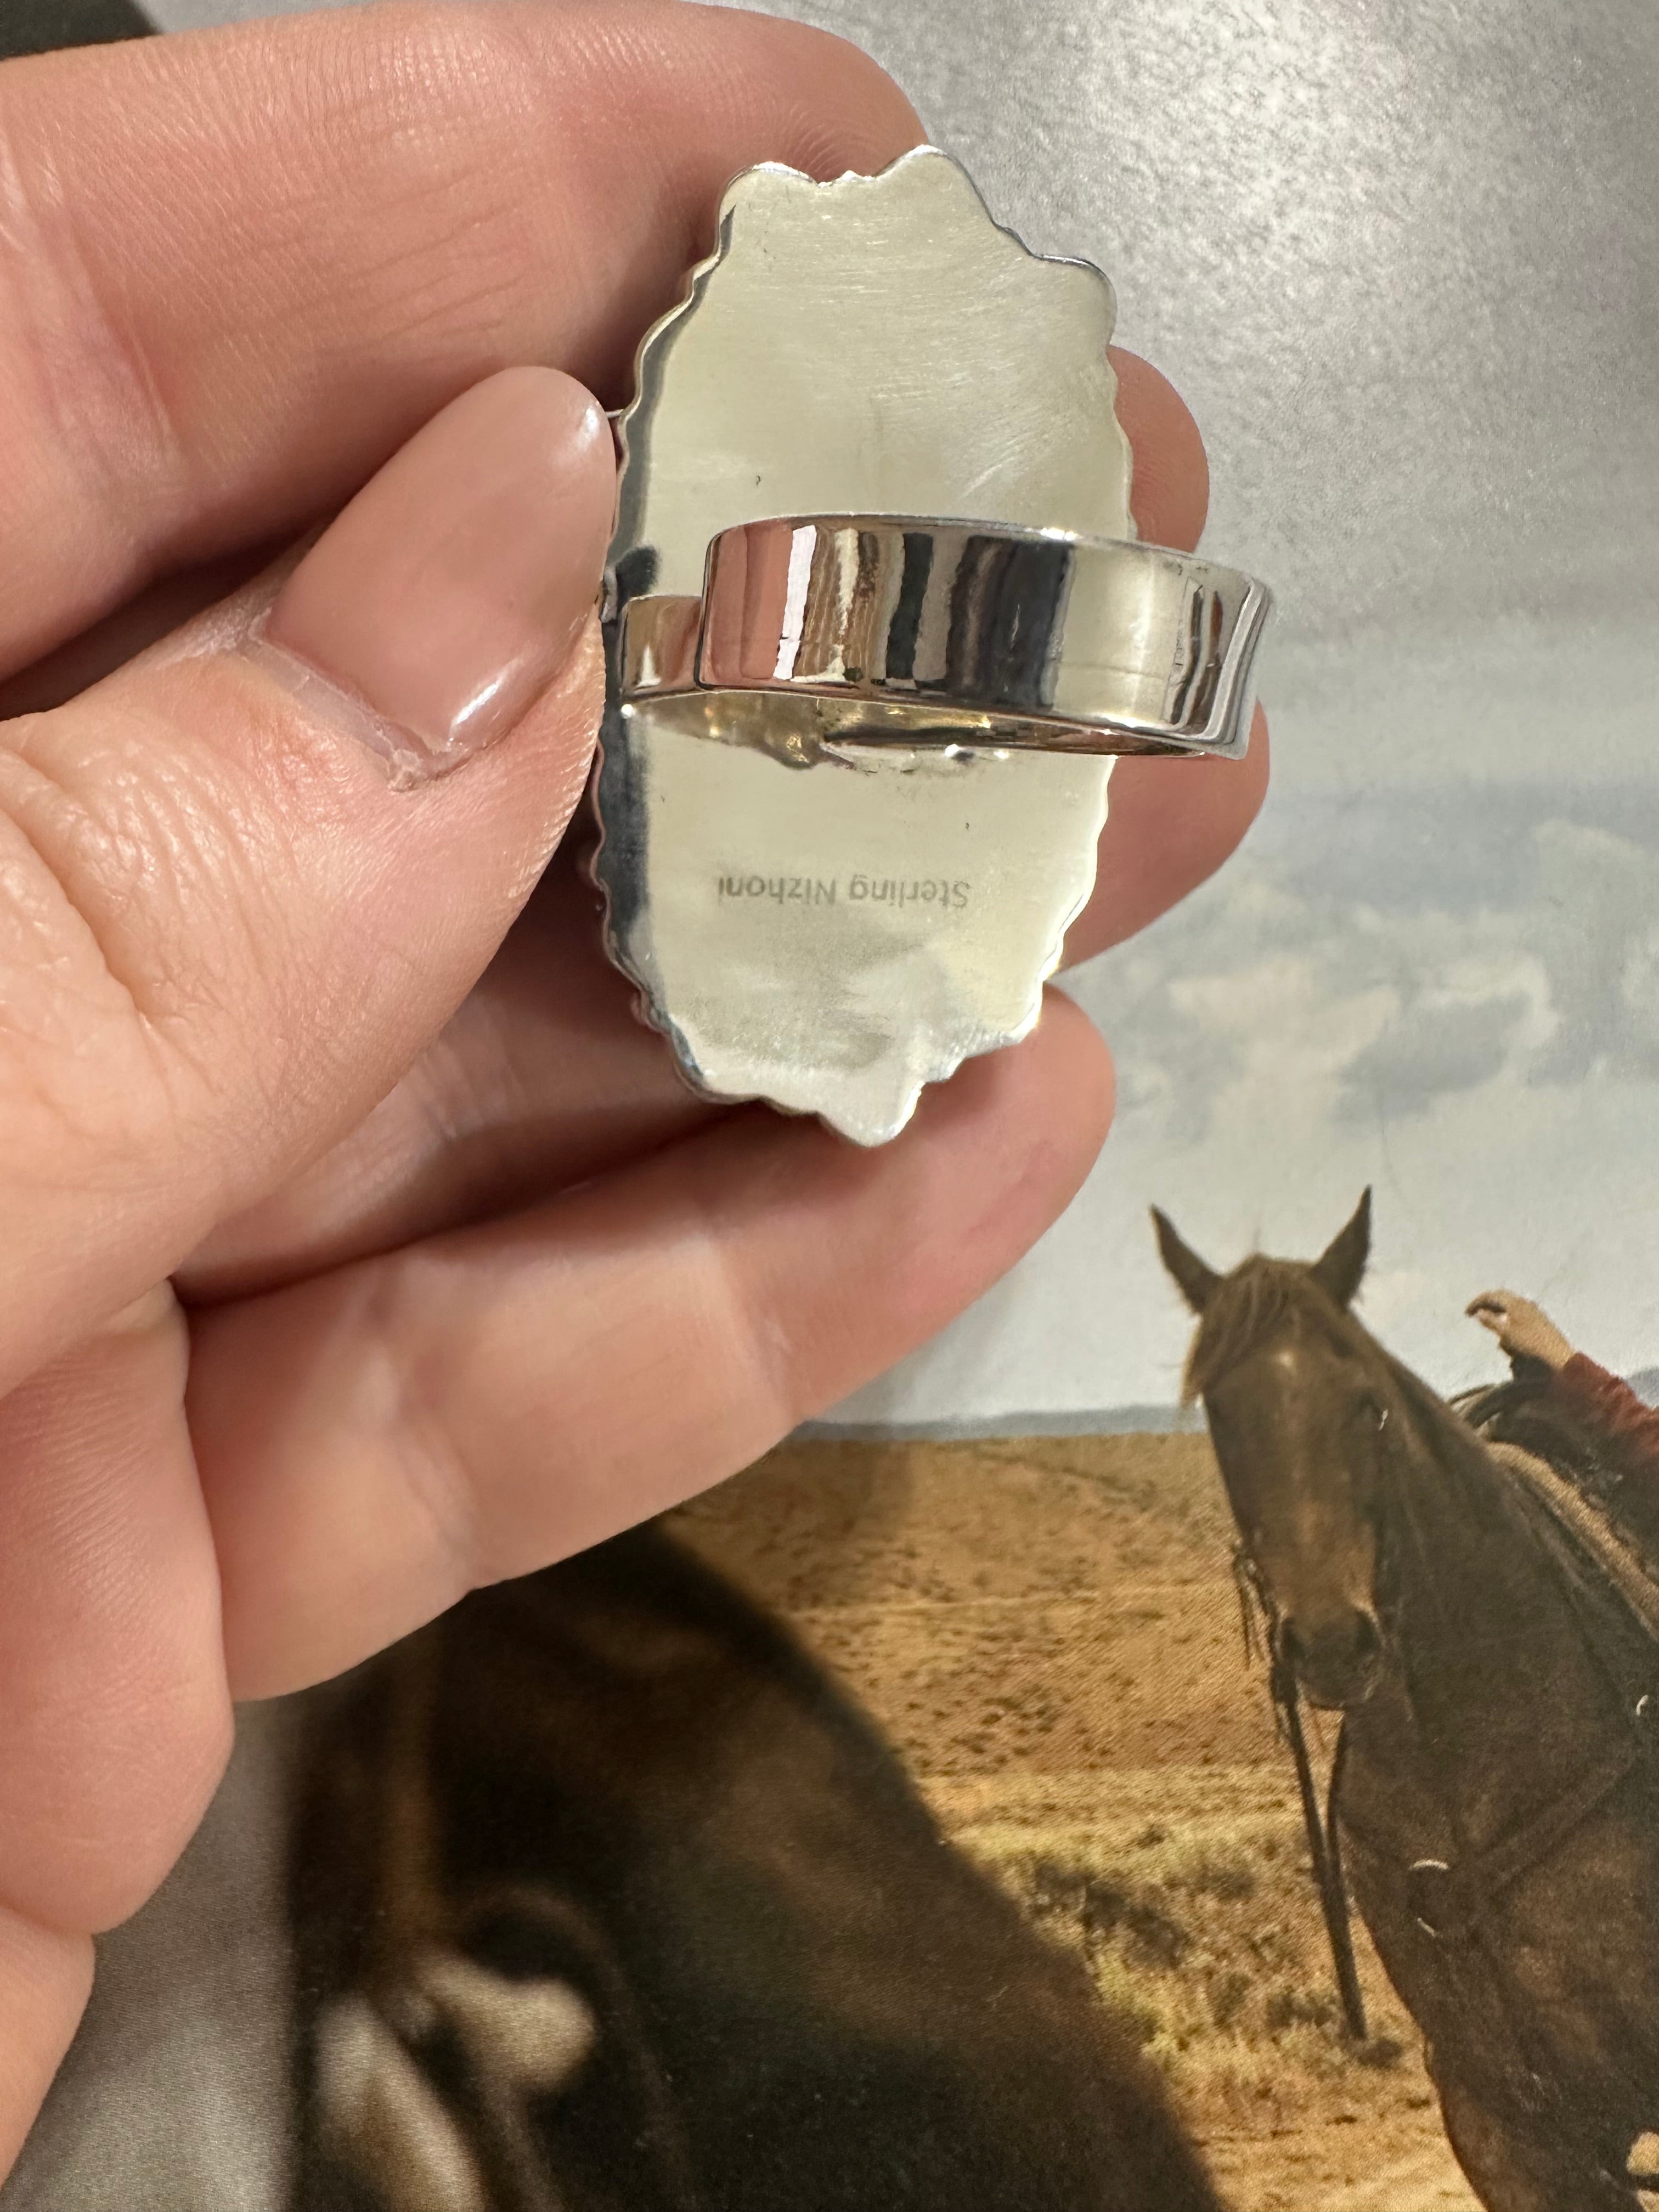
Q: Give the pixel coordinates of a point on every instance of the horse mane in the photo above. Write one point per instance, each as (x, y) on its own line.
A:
(1262, 1297)
(1465, 1472)
(1258, 1298)
(1590, 1564)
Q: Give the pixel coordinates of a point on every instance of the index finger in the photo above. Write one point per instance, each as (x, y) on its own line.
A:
(239, 268)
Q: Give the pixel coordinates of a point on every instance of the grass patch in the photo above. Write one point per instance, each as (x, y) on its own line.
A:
(1211, 1954)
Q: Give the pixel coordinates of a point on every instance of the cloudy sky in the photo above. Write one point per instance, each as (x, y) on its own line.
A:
(1450, 991)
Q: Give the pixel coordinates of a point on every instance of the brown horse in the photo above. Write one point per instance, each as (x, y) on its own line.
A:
(1496, 1808)
(607, 1898)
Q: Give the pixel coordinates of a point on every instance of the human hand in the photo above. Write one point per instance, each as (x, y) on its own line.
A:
(1522, 1329)
(361, 1246)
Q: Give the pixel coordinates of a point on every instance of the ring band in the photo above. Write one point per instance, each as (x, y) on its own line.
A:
(916, 631)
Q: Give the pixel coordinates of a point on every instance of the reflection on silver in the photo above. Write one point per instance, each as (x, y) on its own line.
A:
(859, 884)
(963, 633)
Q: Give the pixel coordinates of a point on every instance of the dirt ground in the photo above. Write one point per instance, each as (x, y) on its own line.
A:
(1048, 1630)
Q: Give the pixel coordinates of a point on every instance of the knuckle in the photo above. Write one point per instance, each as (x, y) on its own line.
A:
(409, 1380)
(749, 1350)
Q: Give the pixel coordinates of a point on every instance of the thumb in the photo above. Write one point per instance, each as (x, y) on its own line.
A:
(238, 892)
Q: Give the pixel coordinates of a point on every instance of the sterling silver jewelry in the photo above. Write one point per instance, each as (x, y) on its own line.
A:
(876, 621)
(898, 629)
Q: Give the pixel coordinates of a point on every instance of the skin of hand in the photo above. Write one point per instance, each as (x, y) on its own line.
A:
(1521, 1327)
(361, 1247)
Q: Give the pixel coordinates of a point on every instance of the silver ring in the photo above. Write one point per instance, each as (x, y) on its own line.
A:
(912, 630)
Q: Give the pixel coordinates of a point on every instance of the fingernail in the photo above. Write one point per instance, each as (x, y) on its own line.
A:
(451, 590)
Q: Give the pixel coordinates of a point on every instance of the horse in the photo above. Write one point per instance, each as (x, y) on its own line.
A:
(1494, 1801)
(604, 1895)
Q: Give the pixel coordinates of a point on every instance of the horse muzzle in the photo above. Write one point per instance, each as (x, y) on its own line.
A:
(1337, 1659)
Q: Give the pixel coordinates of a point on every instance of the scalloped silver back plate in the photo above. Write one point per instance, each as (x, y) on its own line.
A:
(830, 927)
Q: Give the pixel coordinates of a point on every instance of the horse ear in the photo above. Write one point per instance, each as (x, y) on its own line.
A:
(1341, 1266)
(1197, 1284)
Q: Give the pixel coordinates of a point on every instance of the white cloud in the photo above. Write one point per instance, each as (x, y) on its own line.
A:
(1328, 999)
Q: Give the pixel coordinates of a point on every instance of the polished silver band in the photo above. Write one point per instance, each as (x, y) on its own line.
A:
(910, 630)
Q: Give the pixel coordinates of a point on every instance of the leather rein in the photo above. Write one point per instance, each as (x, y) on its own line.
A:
(1447, 1900)
(1319, 1821)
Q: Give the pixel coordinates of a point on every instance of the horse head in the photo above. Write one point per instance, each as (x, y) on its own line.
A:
(1298, 1400)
